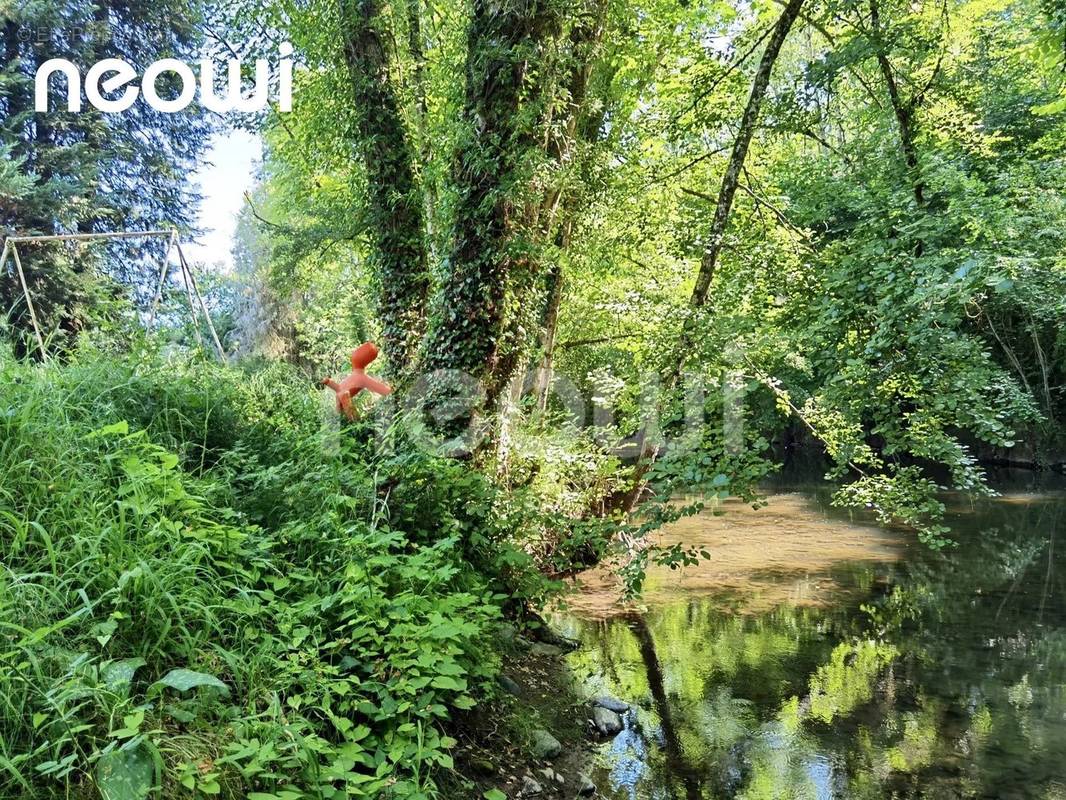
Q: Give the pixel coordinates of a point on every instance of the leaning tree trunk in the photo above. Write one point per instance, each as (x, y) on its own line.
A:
(716, 236)
(395, 202)
(731, 179)
(902, 109)
(905, 111)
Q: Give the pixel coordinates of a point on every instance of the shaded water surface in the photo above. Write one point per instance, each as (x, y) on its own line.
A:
(815, 657)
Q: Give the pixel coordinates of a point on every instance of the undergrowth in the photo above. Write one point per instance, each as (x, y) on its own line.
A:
(211, 588)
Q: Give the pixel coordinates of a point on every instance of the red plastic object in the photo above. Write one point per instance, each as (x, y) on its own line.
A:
(357, 380)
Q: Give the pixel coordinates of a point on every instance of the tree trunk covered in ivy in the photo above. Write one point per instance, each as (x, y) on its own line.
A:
(561, 203)
(416, 52)
(548, 214)
(394, 202)
(489, 242)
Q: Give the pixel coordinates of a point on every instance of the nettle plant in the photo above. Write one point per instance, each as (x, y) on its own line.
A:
(155, 640)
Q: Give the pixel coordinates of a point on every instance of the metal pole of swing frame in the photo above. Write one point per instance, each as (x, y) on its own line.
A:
(203, 307)
(10, 245)
(192, 306)
(162, 277)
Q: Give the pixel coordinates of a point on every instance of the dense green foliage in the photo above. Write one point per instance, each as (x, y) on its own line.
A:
(660, 246)
(885, 279)
(202, 589)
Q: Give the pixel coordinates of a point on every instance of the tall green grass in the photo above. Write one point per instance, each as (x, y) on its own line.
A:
(206, 592)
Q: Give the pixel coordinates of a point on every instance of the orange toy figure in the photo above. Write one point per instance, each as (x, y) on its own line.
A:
(357, 380)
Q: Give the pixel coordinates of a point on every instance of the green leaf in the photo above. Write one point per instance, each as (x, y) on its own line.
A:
(185, 679)
(120, 428)
(131, 725)
(118, 675)
(494, 794)
(124, 774)
(105, 630)
(1054, 107)
(448, 682)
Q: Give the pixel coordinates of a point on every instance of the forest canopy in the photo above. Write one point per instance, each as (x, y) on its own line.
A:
(623, 258)
(687, 238)
(848, 212)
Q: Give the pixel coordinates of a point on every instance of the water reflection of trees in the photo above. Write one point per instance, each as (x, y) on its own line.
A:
(675, 759)
(948, 679)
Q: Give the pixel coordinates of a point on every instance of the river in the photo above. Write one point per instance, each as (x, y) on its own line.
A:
(816, 656)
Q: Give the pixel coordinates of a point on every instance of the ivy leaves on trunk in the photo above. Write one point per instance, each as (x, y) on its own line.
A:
(394, 208)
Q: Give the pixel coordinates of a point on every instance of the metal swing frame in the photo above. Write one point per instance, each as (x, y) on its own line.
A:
(173, 243)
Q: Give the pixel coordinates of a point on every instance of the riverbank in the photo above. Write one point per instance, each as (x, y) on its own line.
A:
(533, 739)
(213, 594)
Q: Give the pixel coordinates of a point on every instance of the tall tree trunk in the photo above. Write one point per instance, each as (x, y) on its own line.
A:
(708, 264)
(397, 233)
(545, 371)
(553, 216)
(489, 244)
(416, 50)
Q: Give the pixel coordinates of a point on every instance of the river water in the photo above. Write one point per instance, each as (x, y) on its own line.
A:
(815, 656)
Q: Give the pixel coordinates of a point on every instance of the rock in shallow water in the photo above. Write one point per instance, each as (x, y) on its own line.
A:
(605, 721)
(610, 703)
(545, 745)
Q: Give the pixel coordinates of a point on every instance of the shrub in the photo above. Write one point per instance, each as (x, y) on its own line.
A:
(204, 591)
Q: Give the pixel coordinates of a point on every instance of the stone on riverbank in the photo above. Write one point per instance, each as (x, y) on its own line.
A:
(530, 788)
(508, 685)
(551, 776)
(545, 745)
(585, 786)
